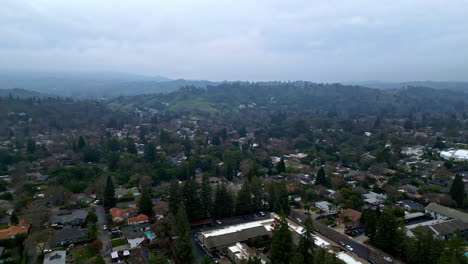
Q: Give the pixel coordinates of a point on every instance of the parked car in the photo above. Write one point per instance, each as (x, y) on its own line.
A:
(348, 247)
(342, 243)
(332, 225)
(388, 259)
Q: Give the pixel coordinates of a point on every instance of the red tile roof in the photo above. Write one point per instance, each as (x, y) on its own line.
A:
(138, 218)
(12, 231)
(117, 212)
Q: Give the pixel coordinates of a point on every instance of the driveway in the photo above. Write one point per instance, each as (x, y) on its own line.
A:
(103, 234)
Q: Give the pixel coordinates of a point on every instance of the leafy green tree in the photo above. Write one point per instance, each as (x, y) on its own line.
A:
(91, 218)
(223, 203)
(184, 247)
(113, 159)
(244, 200)
(91, 155)
(281, 248)
(146, 204)
(254, 260)
(206, 196)
(457, 190)
(109, 194)
(454, 251)
(130, 145)
(321, 178)
(93, 231)
(307, 244)
(369, 221)
(387, 231)
(206, 260)
(424, 247)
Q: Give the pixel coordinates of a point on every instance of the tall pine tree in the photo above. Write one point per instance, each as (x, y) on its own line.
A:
(146, 204)
(321, 178)
(457, 190)
(206, 197)
(307, 242)
(281, 248)
(184, 247)
(109, 194)
(244, 200)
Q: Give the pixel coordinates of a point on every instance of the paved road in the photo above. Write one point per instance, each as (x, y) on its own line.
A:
(359, 249)
(103, 234)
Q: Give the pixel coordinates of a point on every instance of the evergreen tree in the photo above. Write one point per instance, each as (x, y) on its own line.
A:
(307, 242)
(386, 231)
(206, 196)
(321, 178)
(184, 247)
(281, 244)
(454, 251)
(192, 201)
(109, 194)
(257, 193)
(244, 200)
(424, 247)
(254, 260)
(282, 198)
(206, 260)
(146, 204)
(81, 143)
(223, 203)
(150, 152)
(369, 221)
(457, 190)
(174, 197)
(281, 167)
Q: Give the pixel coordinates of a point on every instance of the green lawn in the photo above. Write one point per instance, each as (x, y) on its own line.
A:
(4, 226)
(118, 242)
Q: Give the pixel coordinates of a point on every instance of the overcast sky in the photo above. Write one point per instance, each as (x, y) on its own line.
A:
(316, 40)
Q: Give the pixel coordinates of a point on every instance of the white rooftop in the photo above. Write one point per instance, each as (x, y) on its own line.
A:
(455, 154)
(347, 258)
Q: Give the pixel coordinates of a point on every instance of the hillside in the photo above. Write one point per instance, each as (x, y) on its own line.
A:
(334, 99)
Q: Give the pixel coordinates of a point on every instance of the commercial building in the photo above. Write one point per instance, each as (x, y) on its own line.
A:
(455, 154)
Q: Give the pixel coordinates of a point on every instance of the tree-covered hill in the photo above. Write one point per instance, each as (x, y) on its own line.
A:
(330, 99)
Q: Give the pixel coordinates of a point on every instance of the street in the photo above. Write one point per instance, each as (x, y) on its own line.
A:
(359, 249)
(103, 234)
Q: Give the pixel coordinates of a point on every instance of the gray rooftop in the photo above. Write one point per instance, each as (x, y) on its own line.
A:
(452, 213)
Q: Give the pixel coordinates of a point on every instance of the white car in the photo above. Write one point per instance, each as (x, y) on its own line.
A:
(388, 259)
(348, 247)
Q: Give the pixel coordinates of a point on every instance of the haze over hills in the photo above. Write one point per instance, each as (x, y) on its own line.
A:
(112, 84)
(91, 84)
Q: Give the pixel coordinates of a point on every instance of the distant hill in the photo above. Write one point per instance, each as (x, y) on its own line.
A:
(331, 99)
(454, 86)
(20, 93)
(91, 85)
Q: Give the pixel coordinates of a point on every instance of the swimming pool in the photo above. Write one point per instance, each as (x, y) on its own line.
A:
(149, 235)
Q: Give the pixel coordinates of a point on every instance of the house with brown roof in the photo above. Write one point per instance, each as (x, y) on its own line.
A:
(349, 219)
(12, 231)
(139, 219)
(119, 215)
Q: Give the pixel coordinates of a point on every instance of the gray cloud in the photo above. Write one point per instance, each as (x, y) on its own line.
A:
(346, 40)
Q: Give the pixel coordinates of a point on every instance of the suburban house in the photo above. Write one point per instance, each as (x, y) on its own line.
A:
(119, 215)
(12, 231)
(326, 208)
(409, 205)
(66, 217)
(373, 198)
(69, 235)
(349, 219)
(134, 231)
(139, 219)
